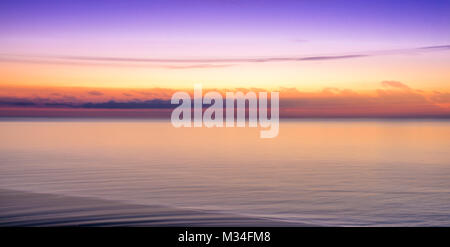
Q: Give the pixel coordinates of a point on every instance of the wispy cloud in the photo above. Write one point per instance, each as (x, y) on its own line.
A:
(95, 93)
(209, 60)
(436, 47)
(395, 84)
(200, 63)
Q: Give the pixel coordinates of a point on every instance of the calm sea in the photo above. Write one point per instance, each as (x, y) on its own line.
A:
(321, 172)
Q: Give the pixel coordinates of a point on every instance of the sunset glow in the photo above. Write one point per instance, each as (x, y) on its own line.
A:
(324, 63)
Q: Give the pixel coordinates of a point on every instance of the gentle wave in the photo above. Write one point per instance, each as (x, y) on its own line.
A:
(20, 208)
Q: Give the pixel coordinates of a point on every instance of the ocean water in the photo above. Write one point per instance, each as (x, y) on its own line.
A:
(320, 172)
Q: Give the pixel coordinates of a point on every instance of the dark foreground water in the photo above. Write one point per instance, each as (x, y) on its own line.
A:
(328, 172)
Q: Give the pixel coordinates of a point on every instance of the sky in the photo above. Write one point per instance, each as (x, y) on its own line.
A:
(126, 58)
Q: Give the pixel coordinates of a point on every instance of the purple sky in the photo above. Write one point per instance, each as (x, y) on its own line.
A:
(208, 28)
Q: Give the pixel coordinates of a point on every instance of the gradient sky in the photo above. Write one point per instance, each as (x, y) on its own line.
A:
(314, 51)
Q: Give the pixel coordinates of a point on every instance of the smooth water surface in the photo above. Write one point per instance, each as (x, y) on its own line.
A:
(321, 172)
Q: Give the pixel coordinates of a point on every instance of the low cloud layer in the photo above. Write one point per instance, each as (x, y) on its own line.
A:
(391, 99)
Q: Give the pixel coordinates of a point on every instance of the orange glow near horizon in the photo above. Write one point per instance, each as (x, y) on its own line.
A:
(409, 84)
(390, 98)
(422, 71)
